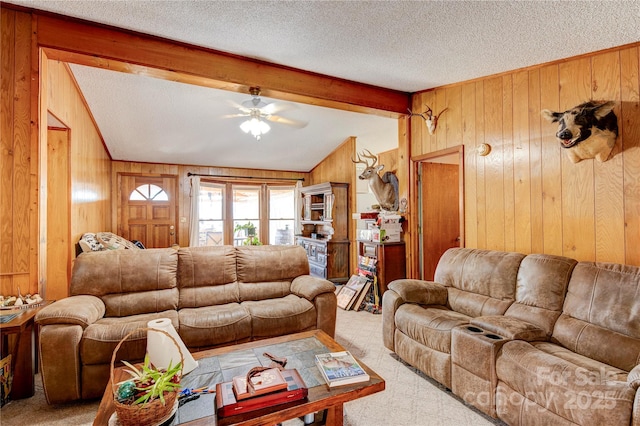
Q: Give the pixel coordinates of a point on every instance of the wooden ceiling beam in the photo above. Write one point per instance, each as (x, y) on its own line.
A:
(87, 43)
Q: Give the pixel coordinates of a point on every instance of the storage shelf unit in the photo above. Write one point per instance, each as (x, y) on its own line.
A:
(324, 227)
(391, 261)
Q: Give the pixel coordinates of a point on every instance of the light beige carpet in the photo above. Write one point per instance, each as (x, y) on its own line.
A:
(410, 398)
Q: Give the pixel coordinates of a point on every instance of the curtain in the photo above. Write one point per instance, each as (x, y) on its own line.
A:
(194, 226)
(297, 199)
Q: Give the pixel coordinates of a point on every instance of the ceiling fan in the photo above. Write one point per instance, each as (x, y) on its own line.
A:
(258, 112)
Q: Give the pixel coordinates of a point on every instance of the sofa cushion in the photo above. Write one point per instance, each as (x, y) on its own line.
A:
(101, 338)
(602, 305)
(480, 282)
(541, 286)
(207, 276)
(429, 326)
(573, 386)
(211, 326)
(271, 263)
(276, 317)
(129, 282)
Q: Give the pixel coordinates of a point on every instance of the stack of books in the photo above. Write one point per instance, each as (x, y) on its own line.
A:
(340, 368)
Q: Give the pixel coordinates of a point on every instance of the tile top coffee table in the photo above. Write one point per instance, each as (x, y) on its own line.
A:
(221, 364)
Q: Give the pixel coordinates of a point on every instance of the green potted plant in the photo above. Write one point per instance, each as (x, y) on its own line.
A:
(249, 233)
(148, 383)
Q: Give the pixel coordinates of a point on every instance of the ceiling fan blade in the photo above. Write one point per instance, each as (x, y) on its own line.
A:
(287, 121)
(235, 115)
(276, 107)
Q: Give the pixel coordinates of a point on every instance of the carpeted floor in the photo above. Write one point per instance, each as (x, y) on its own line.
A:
(410, 398)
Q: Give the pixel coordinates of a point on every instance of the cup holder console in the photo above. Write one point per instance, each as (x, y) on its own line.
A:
(475, 329)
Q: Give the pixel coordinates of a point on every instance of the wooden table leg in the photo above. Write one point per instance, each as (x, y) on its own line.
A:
(335, 415)
(23, 382)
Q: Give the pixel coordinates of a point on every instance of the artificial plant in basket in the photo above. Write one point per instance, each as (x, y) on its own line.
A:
(148, 383)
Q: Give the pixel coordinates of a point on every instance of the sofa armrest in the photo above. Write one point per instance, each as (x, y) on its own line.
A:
(633, 379)
(309, 287)
(420, 292)
(510, 328)
(75, 310)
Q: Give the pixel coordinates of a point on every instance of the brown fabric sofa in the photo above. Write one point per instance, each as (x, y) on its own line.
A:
(565, 350)
(215, 296)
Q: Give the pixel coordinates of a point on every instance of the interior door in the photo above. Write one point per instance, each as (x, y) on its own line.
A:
(148, 209)
(440, 212)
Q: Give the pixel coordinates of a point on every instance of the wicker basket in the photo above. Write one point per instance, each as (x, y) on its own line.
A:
(152, 412)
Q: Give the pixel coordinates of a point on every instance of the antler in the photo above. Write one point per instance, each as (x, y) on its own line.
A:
(365, 162)
(411, 114)
(370, 156)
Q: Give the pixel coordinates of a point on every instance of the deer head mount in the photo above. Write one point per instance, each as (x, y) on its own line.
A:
(428, 117)
(384, 188)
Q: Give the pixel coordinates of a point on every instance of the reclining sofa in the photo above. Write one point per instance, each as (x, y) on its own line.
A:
(214, 296)
(532, 340)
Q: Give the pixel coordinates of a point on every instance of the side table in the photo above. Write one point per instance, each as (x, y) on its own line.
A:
(17, 338)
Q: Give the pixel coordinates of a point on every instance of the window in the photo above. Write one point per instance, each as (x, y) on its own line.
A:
(246, 214)
(281, 215)
(148, 192)
(211, 214)
(238, 214)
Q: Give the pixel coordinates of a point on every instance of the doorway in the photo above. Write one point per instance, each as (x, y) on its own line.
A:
(147, 206)
(440, 206)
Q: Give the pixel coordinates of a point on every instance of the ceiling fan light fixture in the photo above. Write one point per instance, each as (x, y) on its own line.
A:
(255, 126)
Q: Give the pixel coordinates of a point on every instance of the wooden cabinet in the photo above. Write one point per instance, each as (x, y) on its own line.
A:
(324, 230)
(391, 261)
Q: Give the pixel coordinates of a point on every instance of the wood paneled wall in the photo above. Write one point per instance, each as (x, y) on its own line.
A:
(526, 195)
(90, 162)
(18, 167)
(184, 186)
(338, 167)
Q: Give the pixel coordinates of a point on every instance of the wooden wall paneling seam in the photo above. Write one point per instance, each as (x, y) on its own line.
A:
(7, 78)
(608, 184)
(630, 143)
(25, 141)
(535, 159)
(481, 189)
(508, 166)
(521, 160)
(468, 111)
(100, 45)
(494, 171)
(551, 163)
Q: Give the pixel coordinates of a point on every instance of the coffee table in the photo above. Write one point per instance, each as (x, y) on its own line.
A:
(221, 364)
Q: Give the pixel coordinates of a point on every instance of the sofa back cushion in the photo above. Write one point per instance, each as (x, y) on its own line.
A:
(266, 272)
(540, 289)
(207, 276)
(479, 282)
(602, 311)
(129, 282)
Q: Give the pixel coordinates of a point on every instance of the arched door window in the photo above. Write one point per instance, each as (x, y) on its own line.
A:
(148, 192)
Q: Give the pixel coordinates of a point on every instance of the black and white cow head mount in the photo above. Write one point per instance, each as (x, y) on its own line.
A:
(588, 130)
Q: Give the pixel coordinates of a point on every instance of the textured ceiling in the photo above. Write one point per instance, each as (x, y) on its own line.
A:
(403, 45)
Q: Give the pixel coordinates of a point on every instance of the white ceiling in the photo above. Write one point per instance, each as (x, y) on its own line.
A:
(402, 45)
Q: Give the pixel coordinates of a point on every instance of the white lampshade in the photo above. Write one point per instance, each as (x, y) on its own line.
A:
(255, 126)
(163, 351)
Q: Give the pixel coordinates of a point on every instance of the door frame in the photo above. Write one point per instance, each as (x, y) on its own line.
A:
(416, 164)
